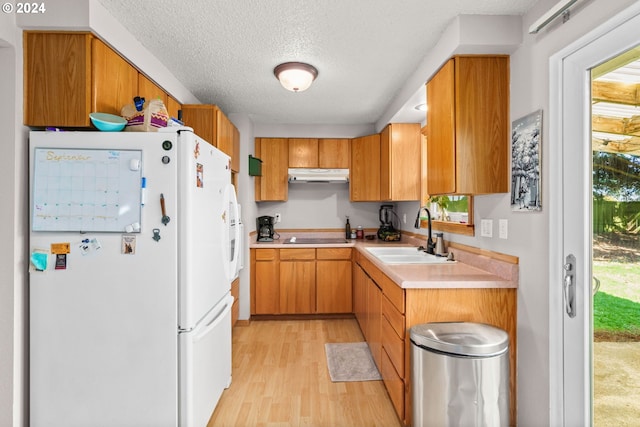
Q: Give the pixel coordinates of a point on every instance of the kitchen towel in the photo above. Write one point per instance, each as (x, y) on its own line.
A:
(351, 362)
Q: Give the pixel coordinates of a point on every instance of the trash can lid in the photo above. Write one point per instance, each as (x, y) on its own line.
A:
(461, 338)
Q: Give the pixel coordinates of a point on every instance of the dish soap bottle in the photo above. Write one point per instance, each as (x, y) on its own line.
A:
(347, 229)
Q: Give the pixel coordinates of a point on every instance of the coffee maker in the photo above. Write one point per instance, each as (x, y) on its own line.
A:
(387, 231)
(264, 228)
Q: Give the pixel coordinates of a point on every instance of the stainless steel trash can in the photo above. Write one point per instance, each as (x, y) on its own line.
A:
(460, 375)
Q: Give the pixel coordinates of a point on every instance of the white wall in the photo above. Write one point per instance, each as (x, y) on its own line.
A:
(13, 281)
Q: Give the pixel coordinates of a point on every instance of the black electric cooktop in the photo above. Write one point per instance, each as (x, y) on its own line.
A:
(315, 240)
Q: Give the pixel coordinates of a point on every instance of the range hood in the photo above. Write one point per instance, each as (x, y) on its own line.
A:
(300, 175)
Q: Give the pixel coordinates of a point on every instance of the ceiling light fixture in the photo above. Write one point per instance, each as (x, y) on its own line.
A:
(295, 76)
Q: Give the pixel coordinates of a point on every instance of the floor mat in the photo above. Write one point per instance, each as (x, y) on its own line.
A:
(351, 362)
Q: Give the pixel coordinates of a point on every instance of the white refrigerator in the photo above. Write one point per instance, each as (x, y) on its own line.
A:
(131, 261)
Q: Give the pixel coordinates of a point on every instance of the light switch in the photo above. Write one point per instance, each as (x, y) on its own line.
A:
(503, 228)
(486, 228)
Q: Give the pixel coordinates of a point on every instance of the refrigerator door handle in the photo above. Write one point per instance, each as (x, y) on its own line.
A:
(213, 322)
(231, 202)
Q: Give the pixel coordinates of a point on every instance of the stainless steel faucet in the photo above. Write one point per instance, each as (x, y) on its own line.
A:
(430, 243)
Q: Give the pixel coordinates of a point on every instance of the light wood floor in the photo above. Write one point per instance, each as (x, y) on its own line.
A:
(280, 378)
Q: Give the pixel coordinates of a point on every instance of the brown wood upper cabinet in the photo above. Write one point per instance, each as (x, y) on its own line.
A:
(400, 162)
(68, 75)
(468, 126)
(364, 173)
(211, 124)
(329, 153)
(272, 185)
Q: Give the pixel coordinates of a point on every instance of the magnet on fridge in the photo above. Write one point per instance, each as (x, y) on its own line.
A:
(61, 262)
(88, 246)
(128, 245)
(199, 175)
(134, 164)
(39, 260)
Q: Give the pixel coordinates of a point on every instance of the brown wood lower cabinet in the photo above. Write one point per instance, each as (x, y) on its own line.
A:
(297, 281)
(333, 280)
(235, 293)
(301, 281)
(402, 308)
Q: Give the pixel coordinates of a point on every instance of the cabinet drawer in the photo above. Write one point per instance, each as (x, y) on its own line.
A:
(301, 253)
(393, 345)
(394, 317)
(265, 254)
(333, 253)
(392, 291)
(394, 384)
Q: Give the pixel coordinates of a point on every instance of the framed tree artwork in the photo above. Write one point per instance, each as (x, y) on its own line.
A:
(526, 142)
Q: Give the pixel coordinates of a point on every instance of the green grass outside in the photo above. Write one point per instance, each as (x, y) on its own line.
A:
(614, 314)
(616, 306)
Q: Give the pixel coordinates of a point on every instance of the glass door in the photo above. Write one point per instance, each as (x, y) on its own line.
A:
(615, 263)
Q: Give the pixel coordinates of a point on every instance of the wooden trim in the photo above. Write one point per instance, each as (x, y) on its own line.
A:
(243, 322)
(484, 252)
(309, 316)
(451, 227)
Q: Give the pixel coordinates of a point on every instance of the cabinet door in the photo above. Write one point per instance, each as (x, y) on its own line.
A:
(333, 286)
(365, 169)
(303, 153)
(297, 287)
(272, 185)
(333, 153)
(360, 297)
(115, 81)
(57, 79)
(201, 118)
(400, 162)
(441, 131)
(482, 124)
(374, 317)
(173, 106)
(267, 287)
(148, 90)
(235, 159)
(224, 133)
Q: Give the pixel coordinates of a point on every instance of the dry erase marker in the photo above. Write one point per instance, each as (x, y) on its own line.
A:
(143, 191)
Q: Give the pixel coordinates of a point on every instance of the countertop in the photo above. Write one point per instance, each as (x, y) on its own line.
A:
(471, 270)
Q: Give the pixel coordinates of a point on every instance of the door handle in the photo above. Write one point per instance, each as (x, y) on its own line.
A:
(570, 285)
(596, 286)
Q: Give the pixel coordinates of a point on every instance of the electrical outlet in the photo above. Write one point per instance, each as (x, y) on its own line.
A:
(486, 228)
(278, 217)
(503, 228)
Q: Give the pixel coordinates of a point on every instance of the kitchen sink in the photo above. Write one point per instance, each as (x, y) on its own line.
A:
(405, 255)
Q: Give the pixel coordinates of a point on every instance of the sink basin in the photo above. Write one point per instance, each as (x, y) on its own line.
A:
(405, 255)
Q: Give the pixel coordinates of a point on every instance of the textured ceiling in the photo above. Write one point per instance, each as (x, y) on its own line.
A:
(224, 51)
